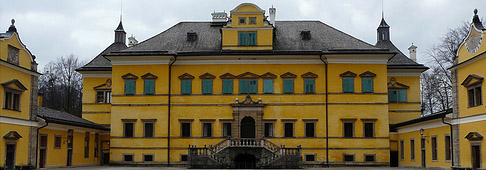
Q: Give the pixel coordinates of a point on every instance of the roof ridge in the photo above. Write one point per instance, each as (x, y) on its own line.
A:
(156, 35)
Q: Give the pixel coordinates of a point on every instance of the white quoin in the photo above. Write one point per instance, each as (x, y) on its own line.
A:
(413, 52)
(272, 12)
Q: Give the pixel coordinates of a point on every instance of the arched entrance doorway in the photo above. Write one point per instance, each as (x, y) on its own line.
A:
(245, 161)
(247, 129)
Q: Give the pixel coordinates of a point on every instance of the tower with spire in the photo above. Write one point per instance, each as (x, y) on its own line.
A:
(383, 31)
(120, 34)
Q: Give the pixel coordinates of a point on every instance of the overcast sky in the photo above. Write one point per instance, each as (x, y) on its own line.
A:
(55, 28)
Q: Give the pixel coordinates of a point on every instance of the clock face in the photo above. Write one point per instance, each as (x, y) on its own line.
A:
(474, 41)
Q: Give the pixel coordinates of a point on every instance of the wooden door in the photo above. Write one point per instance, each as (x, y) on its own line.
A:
(10, 156)
(476, 157)
(422, 152)
(42, 158)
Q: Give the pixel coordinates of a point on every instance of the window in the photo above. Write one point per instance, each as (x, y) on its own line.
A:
(186, 86)
(248, 87)
(148, 158)
(348, 158)
(397, 95)
(268, 86)
(310, 129)
(448, 148)
(86, 145)
(367, 85)
(289, 130)
(183, 158)
(309, 85)
(306, 35)
(370, 158)
(228, 86)
(207, 129)
(348, 127)
(127, 157)
(310, 157)
(148, 129)
(434, 147)
(103, 96)
(96, 150)
(474, 96)
(70, 138)
(129, 87)
(368, 128)
(247, 38)
(128, 129)
(252, 21)
(57, 141)
(226, 129)
(288, 86)
(412, 149)
(149, 87)
(185, 129)
(207, 86)
(348, 85)
(269, 130)
(402, 150)
(191, 36)
(43, 141)
(242, 20)
(13, 55)
(12, 100)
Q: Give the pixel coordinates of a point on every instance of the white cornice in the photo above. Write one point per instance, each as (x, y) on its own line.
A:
(476, 118)
(467, 62)
(139, 60)
(24, 70)
(257, 61)
(404, 74)
(61, 127)
(435, 123)
(13, 121)
(358, 59)
(96, 74)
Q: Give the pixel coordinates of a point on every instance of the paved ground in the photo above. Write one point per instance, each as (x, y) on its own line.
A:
(174, 168)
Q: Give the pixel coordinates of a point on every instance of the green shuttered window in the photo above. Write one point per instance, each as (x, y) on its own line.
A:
(247, 38)
(248, 86)
(348, 85)
(186, 86)
(367, 85)
(268, 86)
(228, 86)
(207, 86)
(149, 87)
(129, 87)
(309, 86)
(397, 95)
(402, 95)
(288, 85)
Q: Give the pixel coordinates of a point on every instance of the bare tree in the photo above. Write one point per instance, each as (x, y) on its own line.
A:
(436, 83)
(62, 86)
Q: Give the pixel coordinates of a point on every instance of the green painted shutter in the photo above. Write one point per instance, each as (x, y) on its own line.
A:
(268, 86)
(227, 86)
(392, 95)
(253, 89)
(186, 86)
(367, 85)
(402, 95)
(207, 86)
(129, 87)
(242, 37)
(348, 85)
(243, 86)
(309, 85)
(252, 38)
(288, 85)
(149, 86)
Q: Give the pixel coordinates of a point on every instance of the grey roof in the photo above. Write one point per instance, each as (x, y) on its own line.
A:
(399, 58)
(56, 116)
(100, 62)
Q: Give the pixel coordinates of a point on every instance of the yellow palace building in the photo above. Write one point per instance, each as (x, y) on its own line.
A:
(453, 138)
(246, 91)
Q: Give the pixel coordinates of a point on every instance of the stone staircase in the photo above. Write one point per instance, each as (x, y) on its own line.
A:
(222, 155)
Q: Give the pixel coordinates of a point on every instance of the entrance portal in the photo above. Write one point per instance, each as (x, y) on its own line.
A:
(247, 129)
(476, 157)
(10, 159)
(245, 161)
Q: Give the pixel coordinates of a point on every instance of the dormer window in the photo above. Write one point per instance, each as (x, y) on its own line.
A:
(191, 36)
(252, 21)
(305, 35)
(242, 20)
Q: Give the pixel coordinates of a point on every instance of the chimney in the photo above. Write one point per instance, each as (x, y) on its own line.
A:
(219, 16)
(272, 12)
(132, 41)
(413, 52)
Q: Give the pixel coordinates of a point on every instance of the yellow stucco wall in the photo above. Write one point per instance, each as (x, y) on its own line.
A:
(24, 56)
(400, 112)
(21, 156)
(462, 73)
(465, 144)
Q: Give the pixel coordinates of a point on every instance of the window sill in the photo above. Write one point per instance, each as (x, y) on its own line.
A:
(12, 109)
(474, 106)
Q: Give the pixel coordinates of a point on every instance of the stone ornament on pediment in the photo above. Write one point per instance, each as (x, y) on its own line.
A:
(186, 76)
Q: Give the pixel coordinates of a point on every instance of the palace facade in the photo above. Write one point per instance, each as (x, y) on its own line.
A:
(245, 91)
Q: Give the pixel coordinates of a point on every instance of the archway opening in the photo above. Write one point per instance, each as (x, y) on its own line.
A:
(245, 161)
(247, 129)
